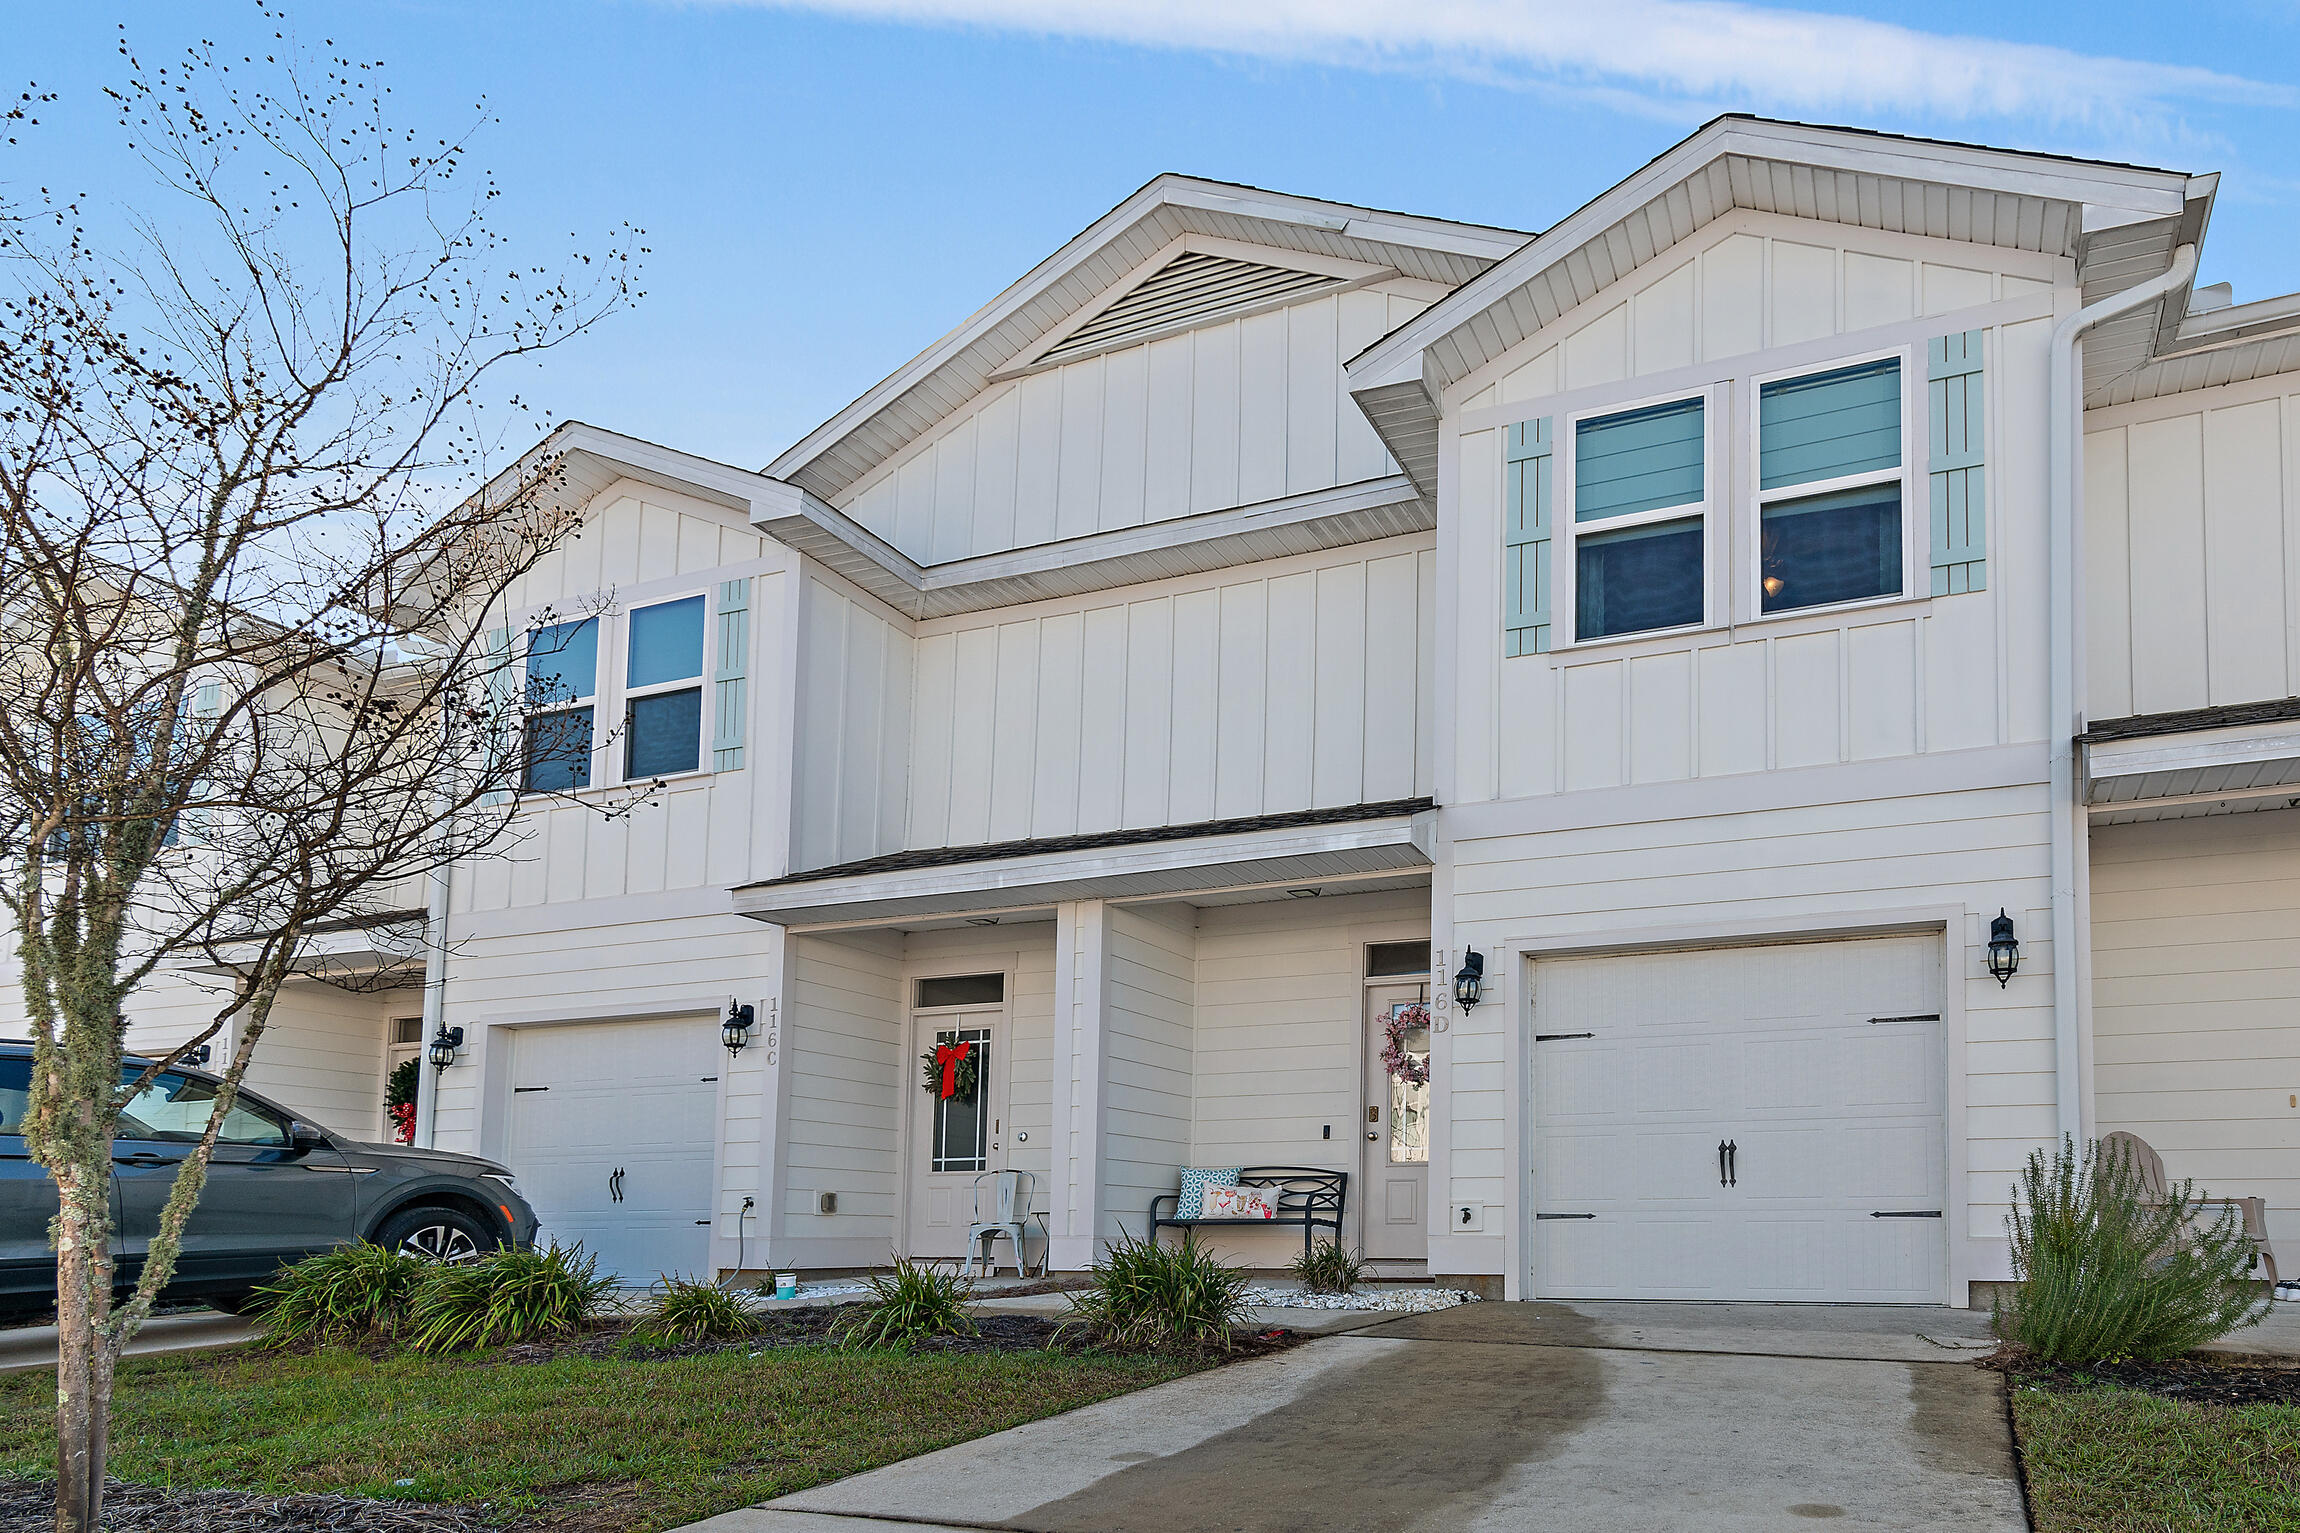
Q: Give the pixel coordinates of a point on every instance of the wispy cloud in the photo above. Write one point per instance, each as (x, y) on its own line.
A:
(1708, 51)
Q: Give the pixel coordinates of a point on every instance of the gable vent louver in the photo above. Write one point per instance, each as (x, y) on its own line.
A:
(1185, 291)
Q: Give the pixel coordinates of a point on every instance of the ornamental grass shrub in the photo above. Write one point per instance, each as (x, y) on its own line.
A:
(351, 1293)
(1178, 1298)
(691, 1310)
(911, 1303)
(2107, 1269)
(504, 1297)
(1328, 1267)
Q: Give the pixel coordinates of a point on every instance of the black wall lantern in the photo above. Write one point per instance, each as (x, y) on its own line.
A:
(2004, 949)
(1469, 980)
(736, 1030)
(444, 1043)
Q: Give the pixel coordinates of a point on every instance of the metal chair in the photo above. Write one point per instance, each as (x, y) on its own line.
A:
(2252, 1211)
(1011, 1194)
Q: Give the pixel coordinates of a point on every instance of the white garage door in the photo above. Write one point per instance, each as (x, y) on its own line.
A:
(1741, 1123)
(611, 1136)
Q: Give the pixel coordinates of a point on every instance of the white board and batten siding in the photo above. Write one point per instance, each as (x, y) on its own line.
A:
(1757, 693)
(2196, 1002)
(1760, 1122)
(1302, 683)
(1231, 413)
(852, 780)
(2192, 549)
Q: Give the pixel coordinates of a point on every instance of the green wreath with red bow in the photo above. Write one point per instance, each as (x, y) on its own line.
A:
(953, 1067)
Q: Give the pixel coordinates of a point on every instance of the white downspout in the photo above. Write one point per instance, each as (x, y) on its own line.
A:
(435, 948)
(2066, 714)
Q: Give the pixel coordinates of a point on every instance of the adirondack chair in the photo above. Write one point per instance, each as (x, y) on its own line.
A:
(2254, 1211)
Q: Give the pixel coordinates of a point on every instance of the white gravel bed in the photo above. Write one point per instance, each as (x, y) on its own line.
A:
(1407, 1301)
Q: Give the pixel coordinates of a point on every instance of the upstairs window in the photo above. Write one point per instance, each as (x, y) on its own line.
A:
(562, 690)
(663, 690)
(1640, 503)
(1829, 475)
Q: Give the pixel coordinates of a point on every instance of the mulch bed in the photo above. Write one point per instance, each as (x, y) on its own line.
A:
(29, 1506)
(2200, 1378)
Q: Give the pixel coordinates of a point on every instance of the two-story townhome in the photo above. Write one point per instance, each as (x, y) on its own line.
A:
(1713, 614)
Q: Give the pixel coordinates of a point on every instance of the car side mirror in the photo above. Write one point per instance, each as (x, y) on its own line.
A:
(302, 1136)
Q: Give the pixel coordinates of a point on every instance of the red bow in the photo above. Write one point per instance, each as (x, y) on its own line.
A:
(947, 1058)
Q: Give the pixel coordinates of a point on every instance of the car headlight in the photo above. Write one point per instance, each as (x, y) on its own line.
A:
(504, 1177)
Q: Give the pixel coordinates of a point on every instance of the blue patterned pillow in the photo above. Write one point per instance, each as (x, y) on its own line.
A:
(1195, 1180)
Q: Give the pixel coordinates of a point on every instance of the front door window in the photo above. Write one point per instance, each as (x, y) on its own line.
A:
(1409, 1033)
(962, 1121)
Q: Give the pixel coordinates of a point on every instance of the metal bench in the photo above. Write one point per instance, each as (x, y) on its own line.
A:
(1308, 1197)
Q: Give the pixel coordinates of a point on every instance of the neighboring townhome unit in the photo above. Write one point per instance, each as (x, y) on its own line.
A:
(1095, 752)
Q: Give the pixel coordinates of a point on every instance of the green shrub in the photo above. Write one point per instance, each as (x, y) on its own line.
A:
(1328, 1268)
(350, 1292)
(911, 1302)
(689, 1309)
(1145, 1295)
(504, 1297)
(2108, 1271)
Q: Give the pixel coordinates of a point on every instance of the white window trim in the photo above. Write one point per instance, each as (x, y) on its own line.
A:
(626, 694)
(1753, 556)
(612, 699)
(593, 699)
(1565, 615)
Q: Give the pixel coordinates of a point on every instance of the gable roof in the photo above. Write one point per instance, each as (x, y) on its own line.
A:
(2119, 223)
(902, 407)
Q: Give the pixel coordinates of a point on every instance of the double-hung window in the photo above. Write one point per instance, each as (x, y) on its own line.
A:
(663, 690)
(562, 691)
(1829, 483)
(1640, 505)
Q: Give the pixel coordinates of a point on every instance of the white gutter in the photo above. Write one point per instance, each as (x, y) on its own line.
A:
(2066, 716)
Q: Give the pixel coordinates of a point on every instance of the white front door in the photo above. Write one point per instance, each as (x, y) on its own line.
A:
(1759, 1122)
(1393, 1214)
(954, 1139)
(611, 1132)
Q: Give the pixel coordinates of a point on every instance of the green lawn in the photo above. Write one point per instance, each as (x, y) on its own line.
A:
(644, 1444)
(2117, 1461)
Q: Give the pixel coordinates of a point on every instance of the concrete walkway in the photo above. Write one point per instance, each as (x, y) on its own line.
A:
(1499, 1416)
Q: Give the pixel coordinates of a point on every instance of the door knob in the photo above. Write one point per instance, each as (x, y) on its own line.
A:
(1371, 1134)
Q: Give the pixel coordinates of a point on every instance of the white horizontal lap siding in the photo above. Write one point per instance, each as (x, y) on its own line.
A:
(1281, 997)
(848, 1062)
(1860, 684)
(2192, 549)
(2196, 1002)
(1287, 686)
(1232, 413)
(853, 729)
(1812, 868)
(321, 1054)
(1150, 976)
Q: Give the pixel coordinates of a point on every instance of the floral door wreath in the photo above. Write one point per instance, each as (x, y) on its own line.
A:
(952, 1067)
(1401, 1064)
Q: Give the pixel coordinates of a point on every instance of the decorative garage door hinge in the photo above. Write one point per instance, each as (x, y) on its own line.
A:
(1914, 1213)
(1559, 1037)
(1565, 1216)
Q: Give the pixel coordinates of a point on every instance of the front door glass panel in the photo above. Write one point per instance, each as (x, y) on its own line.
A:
(962, 1122)
(1409, 1103)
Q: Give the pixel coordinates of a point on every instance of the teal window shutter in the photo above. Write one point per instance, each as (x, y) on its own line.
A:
(503, 750)
(1640, 460)
(1525, 545)
(1829, 425)
(1957, 467)
(730, 679)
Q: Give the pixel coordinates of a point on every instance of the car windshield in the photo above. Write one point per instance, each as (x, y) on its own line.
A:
(176, 1107)
(15, 1094)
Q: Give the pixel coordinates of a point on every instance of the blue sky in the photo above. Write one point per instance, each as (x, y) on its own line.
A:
(829, 187)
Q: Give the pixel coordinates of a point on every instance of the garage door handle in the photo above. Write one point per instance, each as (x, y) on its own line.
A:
(1732, 1163)
(615, 1185)
(1720, 1162)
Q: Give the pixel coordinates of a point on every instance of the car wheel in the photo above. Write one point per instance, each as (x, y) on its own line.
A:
(436, 1234)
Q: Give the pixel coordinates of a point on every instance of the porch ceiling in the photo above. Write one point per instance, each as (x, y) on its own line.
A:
(2210, 761)
(1258, 858)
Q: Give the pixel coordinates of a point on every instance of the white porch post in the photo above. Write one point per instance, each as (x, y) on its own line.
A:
(1081, 1086)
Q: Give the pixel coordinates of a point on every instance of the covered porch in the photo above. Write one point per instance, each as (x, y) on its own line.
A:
(1213, 996)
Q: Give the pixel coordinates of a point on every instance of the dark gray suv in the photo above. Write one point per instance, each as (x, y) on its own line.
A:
(279, 1189)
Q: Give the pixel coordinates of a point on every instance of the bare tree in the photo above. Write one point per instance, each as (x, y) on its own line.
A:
(252, 534)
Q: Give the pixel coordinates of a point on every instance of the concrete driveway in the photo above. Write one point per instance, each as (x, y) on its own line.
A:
(1500, 1416)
